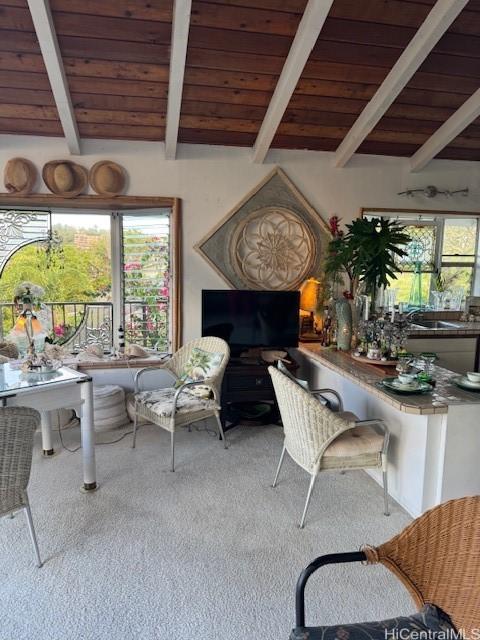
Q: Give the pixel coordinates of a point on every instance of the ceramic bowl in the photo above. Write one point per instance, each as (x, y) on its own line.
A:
(473, 376)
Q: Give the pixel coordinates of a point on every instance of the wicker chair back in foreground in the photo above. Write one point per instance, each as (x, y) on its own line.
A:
(318, 439)
(190, 399)
(437, 558)
(17, 426)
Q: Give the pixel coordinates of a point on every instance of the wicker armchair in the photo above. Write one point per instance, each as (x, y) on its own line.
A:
(177, 415)
(318, 439)
(436, 557)
(17, 426)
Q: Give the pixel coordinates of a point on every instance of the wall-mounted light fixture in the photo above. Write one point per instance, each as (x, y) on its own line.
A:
(432, 192)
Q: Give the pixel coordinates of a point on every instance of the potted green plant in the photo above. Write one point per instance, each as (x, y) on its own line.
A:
(366, 253)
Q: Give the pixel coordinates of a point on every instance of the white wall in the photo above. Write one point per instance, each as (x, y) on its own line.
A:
(211, 180)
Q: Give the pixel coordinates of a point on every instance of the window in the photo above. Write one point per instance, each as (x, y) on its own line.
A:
(441, 255)
(99, 271)
(458, 252)
(146, 278)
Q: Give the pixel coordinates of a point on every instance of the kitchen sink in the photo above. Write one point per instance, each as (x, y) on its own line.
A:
(436, 324)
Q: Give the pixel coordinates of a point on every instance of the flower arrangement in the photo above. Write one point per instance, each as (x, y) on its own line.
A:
(28, 292)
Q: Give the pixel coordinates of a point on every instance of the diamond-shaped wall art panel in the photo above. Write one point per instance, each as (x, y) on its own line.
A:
(273, 239)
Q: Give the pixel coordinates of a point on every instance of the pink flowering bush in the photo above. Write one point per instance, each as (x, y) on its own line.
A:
(147, 286)
(133, 266)
(59, 330)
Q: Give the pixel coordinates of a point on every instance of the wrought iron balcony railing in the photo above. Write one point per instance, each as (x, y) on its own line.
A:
(78, 324)
(71, 324)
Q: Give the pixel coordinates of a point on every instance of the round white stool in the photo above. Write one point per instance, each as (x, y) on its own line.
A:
(109, 407)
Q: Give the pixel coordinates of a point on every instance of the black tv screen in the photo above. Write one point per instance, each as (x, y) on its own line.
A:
(251, 318)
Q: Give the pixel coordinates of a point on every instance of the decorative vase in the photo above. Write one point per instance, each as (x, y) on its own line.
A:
(344, 324)
(355, 317)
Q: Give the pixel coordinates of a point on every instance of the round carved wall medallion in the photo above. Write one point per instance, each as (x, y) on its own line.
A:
(273, 248)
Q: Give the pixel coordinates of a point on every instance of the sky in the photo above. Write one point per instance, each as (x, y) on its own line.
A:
(82, 220)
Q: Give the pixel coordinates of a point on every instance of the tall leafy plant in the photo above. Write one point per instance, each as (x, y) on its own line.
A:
(367, 252)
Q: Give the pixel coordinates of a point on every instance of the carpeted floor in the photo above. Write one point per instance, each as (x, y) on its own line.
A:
(208, 552)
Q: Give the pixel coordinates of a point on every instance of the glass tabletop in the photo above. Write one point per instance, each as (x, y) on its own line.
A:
(12, 378)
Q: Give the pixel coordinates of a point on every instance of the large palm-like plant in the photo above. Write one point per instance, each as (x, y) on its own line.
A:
(367, 252)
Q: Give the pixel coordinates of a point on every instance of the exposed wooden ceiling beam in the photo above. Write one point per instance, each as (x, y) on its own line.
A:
(458, 121)
(434, 26)
(306, 36)
(47, 38)
(178, 56)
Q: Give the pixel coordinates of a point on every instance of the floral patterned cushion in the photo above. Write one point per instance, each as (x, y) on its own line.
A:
(160, 402)
(200, 366)
(429, 623)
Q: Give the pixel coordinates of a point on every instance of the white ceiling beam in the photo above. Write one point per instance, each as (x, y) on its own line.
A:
(458, 121)
(178, 56)
(47, 38)
(434, 26)
(308, 30)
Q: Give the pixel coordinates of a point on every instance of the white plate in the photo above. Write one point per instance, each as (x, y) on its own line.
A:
(468, 383)
(409, 386)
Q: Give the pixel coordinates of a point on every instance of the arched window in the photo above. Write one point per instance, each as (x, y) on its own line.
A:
(99, 271)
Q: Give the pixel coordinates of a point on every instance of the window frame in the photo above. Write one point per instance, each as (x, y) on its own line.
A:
(112, 207)
(118, 275)
(436, 216)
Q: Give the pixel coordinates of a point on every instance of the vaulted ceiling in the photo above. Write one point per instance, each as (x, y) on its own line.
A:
(116, 56)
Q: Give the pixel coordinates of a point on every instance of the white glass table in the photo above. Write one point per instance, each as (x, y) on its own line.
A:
(61, 389)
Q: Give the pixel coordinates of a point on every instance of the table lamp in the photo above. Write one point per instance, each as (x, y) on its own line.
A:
(309, 299)
(28, 323)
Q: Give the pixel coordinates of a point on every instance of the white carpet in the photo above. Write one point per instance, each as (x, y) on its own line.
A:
(208, 552)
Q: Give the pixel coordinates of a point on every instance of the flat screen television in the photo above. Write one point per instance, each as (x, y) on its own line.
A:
(251, 318)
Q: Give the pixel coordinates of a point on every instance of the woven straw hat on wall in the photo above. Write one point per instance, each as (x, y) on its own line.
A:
(107, 178)
(20, 176)
(65, 178)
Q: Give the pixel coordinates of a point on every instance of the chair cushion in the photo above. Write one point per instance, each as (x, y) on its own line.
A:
(200, 365)
(357, 447)
(130, 401)
(160, 402)
(430, 623)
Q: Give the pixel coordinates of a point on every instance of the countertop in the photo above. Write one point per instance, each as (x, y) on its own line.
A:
(464, 330)
(367, 376)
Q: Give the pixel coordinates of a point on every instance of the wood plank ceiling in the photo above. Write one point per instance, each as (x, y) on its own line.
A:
(116, 58)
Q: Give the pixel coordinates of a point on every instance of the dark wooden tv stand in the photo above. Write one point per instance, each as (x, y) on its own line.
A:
(248, 380)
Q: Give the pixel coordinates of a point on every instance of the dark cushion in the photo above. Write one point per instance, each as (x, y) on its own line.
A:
(427, 622)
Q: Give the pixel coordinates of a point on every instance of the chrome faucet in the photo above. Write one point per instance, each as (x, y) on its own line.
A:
(414, 314)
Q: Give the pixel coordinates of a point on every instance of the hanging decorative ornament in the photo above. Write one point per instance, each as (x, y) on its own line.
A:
(416, 298)
(52, 249)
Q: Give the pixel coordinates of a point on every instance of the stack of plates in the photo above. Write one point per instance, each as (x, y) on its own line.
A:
(416, 386)
(464, 383)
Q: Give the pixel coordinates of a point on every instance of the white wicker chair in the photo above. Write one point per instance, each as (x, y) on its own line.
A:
(318, 439)
(17, 426)
(186, 416)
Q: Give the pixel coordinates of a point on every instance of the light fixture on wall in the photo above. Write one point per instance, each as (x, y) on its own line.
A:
(432, 192)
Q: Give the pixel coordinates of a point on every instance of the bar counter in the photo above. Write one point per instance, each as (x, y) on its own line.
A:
(434, 438)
